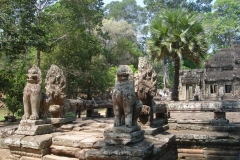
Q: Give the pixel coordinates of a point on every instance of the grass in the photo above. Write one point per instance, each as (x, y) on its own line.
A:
(3, 112)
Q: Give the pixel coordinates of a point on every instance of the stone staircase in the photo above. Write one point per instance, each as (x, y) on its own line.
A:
(76, 141)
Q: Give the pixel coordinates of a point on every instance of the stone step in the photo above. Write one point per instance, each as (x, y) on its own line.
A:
(77, 141)
(54, 157)
(69, 151)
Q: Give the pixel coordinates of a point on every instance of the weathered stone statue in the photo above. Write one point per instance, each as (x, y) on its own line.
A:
(125, 105)
(32, 94)
(145, 81)
(36, 103)
(55, 89)
(126, 109)
(145, 88)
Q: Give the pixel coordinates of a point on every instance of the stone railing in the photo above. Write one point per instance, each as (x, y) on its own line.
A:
(204, 106)
(219, 108)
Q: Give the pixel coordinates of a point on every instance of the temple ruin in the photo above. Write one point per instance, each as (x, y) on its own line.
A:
(219, 80)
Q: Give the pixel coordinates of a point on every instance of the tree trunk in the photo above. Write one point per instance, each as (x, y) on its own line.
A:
(38, 57)
(176, 77)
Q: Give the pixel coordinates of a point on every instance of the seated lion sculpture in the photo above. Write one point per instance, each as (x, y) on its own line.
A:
(125, 105)
(32, 94)
(55, 89)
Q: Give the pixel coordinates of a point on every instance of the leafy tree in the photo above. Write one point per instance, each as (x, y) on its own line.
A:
(175, 33)
(121, 47)
(127, 10)
(18, 28)
(75, 30)
(13, 72)
(154, 6)
(223, 23)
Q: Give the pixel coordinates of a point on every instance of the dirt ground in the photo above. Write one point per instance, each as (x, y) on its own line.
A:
(4, 154)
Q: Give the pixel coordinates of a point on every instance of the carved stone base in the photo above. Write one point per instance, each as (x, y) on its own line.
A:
(34, 127)
(123, 135)
(137, 151)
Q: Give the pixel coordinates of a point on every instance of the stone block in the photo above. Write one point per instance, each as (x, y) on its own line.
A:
(67, 127)
(37, 142)
(77, 129)
(82, 154)
(14, 140)
(69, 140)
(54, 157)
(65, 151)
(123, 138)
(99, 144)
(89, 142)
(29, 152)
(32, 129)
(141, 149)
(123, 129)
(96, 155)
(29, 158)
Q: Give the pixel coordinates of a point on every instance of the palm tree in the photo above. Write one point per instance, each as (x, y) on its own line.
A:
(175, 33)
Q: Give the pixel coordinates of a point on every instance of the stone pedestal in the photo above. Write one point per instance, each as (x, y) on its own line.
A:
(34, 127)
(123, 135)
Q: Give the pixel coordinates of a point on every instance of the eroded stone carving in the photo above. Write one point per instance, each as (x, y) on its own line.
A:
(36, 104)
(55, 89)
(145, 81)
(145, 88)
(32, 94)
(125, 105)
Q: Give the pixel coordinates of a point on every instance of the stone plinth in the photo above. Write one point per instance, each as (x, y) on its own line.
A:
(137, 151)
(34, 127)
(123, 135)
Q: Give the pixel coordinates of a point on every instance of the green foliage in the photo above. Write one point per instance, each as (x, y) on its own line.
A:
(12, 104)
(175, 33)
(127, 10)
(18, 29)
(154, 6)
(121, 47)
(14, 74)
(75, 29)
(223, 23)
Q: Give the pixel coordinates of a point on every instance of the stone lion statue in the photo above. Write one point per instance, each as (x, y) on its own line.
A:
(55, 89)
(32, 94)
(125, 105)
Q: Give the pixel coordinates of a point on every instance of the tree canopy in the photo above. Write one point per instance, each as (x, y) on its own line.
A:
(175, 33)
(89, 40)
(223, 23)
